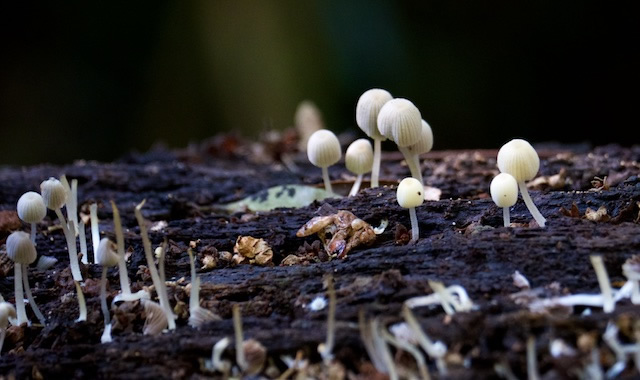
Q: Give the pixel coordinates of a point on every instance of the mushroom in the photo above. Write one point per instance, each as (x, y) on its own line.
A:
(22, 252)
(323, 150)
(504, 192)
(518, 158)
(107, 257)
(6, 311)
(55, 196)
(410, 195)
(367, 110)
(424, 145)
(400, 121)
(31, 209)
(358, 159)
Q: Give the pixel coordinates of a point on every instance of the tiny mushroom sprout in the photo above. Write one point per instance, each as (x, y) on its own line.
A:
(323, 150)
(504, 192)
(22, 252)
(55, 196)
(6, 311)
(358, 159)
(31, 209)
(424, 145)
(410, 195)
(400, 121)
(520, 159)
(367, 110)
(107, 257)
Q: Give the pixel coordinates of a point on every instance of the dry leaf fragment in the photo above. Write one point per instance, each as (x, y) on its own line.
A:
(597, 216)
(572, 213)
(252, 250)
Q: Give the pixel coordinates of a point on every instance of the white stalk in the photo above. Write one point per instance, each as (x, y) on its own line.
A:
(412, 162)
(32, 302)
(83, 243)
(415, 232)
(530, 205)
(72, 205)
(194, 296)
(237, 328)
(356, 185)
(3, 333)
(327, 349)
(122, 264)
(70, 234)
(95, 228)
(160, 286)
(408, 347)
(327, 181)
(532, 361)
(382, 349)
(103, 297)
(20, 309)
(506, 216)
(436, 350)
(82, 305)
(367, 340)
(605, 284)
(33, 233)
(375, 170)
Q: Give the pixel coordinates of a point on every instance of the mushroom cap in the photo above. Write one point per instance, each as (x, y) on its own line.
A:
(518, 158)
(425, 143)
(359, 157)
(504, 190)
(367, 110)
(106, 254)
(400, 121)
(323, 148)
(6, 311)
(20, 249)
(31, 208)
(53, 193)
(410, 193)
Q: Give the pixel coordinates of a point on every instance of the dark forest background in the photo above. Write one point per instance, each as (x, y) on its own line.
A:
(95, 80)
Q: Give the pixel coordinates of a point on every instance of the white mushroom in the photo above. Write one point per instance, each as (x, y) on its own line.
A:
(359, 159)
(31, 209)
(367, 110)
(410, 194)
(22, 252)
(504, 192)
(323, 150)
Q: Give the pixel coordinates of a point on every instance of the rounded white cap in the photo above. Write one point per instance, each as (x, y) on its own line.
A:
(53, 193)
(323, 148)
(410, 193)
(20, 249)
(518, 158)
(359, 157)
(31, 208)
(425, 143)
(504, 190)
(367, 110)
(6, 311)
(106, 255)
(400, 121)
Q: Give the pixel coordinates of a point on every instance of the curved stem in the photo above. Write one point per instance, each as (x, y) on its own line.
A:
(530, 205)
(411, 159)
(327, 181)
(377, 156)
(356, 185)
(415, 233)
(122, 264)
(32, 302)
(103, 297)
(20, 309)
(70, 236)
(33, 233)
(506, 216)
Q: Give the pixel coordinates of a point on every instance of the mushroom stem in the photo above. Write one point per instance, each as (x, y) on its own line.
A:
(356, 185)
(33, 233)
(122, 264)
(83, 243)
(82, 304)
(412, 161)
(377, 155)
(32, 302)
(3, 333)
(326, 349)
(532, 361)
(70, 236)
(95, 228)
(103, 297)
(530, 205)
(608, 303)
(506, 216)
(325, 178)
(20, 309)
(415, 232)
(237, 328)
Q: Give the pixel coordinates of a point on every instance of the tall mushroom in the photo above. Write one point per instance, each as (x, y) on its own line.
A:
(520, 159)
(22, 252)
(358, 159)
(323, 150)
(107, 257)
(400, 121)
(31, 209)
(367, 110)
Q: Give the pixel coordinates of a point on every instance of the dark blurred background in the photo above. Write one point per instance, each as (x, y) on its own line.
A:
(95, 80)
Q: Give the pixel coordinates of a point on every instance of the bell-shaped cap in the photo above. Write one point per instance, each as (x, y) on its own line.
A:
(106, 255)
(518, 158)
(20, 249)
(53, 193)
(367, 110)
(425, 142)
(359, 157)
(323, 148)
(410, 193)
(504, 190)
(400, 121)
(31, 208)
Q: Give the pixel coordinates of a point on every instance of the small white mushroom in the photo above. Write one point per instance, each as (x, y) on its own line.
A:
(105, 257)
(424, 145)
(367, 110)
(7, 311)
(22, 252)
(400, 121)
(359, 159)
(31, 209)
(504, 192)
(520, 159)
(323, 150)
(410, 194)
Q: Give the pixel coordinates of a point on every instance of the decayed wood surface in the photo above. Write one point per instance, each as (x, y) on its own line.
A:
(462, 242)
